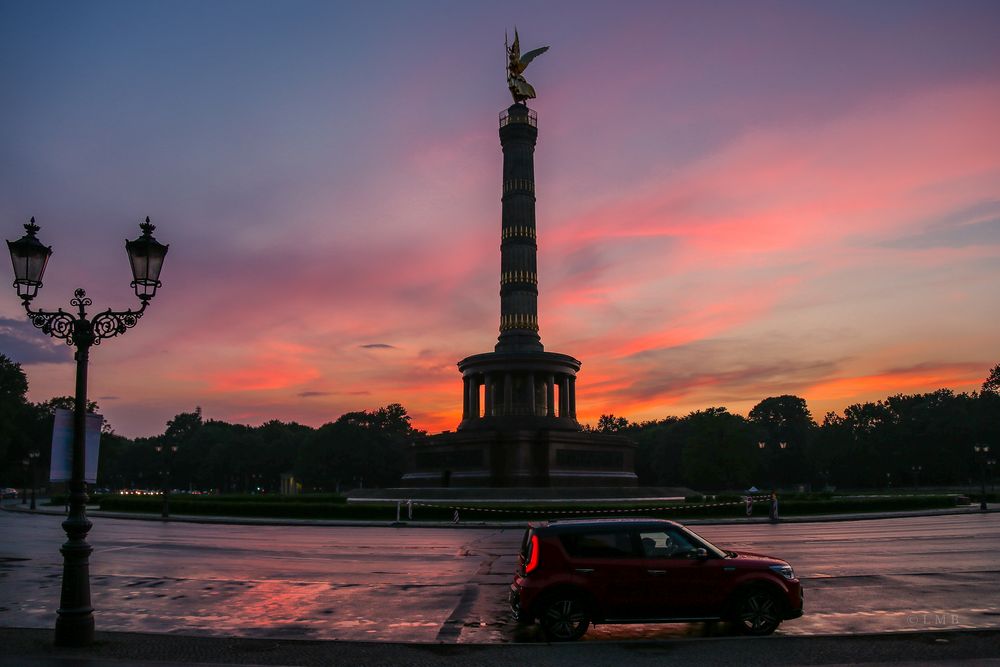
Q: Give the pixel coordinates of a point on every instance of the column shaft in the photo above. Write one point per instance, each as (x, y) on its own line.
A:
(475, 397)
(550, 396)
(465, 397)
(572, 397)
(488, 408)
(564, 396)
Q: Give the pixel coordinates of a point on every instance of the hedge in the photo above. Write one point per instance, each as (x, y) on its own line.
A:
(335, 508)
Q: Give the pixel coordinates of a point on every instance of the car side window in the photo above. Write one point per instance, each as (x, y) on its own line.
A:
(665, 543)
(599, 544)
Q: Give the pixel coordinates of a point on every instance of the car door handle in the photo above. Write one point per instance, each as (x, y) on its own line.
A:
(657, 572)
(584, 570)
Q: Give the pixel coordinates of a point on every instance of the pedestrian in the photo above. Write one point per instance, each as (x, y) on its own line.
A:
(749, 505)
(773, 513)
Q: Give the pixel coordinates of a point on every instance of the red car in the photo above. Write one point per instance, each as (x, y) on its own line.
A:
(574, 573)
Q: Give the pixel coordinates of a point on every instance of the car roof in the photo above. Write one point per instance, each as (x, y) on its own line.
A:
(583, 524)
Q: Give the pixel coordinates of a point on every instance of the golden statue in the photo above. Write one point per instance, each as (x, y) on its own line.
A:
(516, 64)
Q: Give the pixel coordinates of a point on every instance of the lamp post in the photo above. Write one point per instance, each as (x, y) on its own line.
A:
(982, 451)
(26, 464)
(33, 457)
(75, 620)
(167, 451)
(774, 461)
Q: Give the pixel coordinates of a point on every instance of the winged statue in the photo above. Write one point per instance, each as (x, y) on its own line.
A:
(520, 89)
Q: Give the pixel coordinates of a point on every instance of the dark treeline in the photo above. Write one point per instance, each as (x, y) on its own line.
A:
(358, 449)
(901, 441)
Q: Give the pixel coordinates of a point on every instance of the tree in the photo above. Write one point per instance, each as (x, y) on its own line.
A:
(659, 450)
(15, 411)
(182, 428)
(13, 381)
(64, 403)
(360, 448)
(612, 424)
(718, 449)
(992, 382)
(784, 419)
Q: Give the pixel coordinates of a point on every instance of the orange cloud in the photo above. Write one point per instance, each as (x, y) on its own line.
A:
(919, 378)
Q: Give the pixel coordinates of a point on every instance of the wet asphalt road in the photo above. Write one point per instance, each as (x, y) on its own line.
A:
(446, 585)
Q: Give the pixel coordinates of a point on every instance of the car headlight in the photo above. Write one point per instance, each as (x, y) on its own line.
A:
(783, 570)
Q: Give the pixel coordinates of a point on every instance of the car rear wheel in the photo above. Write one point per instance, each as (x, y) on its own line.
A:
(565, 619)
(758, 612)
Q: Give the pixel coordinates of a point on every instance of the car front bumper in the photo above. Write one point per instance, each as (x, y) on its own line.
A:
(795, 612)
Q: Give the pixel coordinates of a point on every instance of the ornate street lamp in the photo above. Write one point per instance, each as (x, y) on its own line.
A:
(75, 620)
(146, 254)
(29, 257)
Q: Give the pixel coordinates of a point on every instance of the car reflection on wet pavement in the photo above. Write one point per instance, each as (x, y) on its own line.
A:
(444, 585)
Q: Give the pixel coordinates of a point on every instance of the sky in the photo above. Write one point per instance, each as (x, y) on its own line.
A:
(736, 200)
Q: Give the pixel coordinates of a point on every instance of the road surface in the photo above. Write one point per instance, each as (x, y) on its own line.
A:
(449, 585)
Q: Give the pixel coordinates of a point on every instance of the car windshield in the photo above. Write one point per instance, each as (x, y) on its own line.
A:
(721, 553)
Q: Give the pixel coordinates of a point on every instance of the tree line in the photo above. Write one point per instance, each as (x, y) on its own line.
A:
(363, 448)
(903, 440)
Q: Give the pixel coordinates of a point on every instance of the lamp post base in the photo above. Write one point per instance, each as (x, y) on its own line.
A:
(75, 620)
(75, 628)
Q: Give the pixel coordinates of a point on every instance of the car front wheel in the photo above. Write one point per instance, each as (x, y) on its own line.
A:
(758, 613)
(565, 619)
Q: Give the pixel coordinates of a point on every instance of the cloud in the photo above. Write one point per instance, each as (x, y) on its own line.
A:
(25, 344)
(972, 234)
(778, 182)
(916, 378)
(720, 370)
(315, 394)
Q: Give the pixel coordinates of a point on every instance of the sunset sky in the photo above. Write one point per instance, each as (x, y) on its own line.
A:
(736, 200)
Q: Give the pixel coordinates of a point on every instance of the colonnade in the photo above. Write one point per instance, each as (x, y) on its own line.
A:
(519, 393)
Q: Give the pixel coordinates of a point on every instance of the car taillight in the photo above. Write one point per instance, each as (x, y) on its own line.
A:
(532, 555)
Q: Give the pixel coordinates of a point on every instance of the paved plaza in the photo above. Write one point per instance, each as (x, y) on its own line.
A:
(441, 585)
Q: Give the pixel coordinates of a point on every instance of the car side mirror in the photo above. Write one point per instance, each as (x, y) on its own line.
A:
(700, 553)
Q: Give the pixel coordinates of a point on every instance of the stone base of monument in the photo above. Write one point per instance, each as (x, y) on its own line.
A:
(521, 459)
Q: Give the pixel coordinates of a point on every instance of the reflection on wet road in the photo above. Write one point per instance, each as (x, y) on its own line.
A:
(444, 585)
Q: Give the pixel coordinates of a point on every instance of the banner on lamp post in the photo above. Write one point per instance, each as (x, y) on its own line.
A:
(62, 446)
